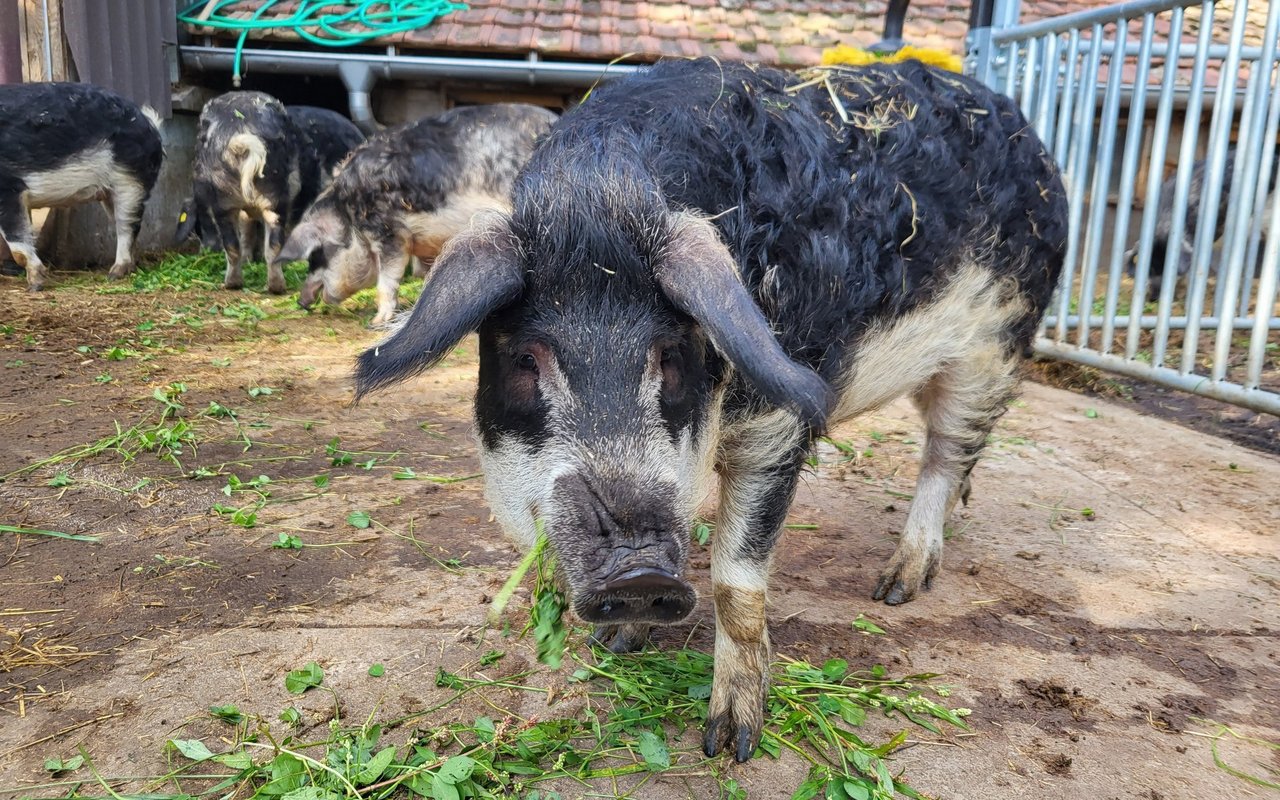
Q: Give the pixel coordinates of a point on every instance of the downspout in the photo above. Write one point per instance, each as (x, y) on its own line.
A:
(358, 78)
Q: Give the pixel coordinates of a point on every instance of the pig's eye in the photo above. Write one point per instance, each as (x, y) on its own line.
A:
(526, 361)
(669, 356)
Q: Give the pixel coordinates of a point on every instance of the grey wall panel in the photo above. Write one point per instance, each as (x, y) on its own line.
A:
(124, 45)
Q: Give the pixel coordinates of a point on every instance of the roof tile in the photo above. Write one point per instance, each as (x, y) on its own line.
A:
(791, 32)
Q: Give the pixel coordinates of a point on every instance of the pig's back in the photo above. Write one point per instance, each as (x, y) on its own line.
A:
(840, 221)
(45, 125)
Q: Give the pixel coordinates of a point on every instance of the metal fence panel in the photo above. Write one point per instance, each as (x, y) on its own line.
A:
(1171, 270)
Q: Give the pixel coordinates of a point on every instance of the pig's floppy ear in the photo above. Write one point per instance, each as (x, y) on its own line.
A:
(186, 220)
(479, 271)
(316, 228)
(699, 277)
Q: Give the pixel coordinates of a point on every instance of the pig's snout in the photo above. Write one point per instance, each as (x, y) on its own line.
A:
(620, 545)
(308, 294)
(638, 595)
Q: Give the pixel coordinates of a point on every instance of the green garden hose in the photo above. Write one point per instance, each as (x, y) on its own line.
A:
(328, 23)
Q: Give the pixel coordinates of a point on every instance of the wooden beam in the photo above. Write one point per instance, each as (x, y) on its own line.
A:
(41, 63)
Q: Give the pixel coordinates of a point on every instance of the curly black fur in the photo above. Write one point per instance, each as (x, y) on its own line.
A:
(330, 136)
(835, 226)
(217, 179)
(418, 166)
(45, 125)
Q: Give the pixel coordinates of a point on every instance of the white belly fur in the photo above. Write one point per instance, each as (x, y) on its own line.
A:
(964, 322)
(90, 175)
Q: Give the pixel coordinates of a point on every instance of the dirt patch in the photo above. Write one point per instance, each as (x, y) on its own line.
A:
(1086, 645)
(1247, 428)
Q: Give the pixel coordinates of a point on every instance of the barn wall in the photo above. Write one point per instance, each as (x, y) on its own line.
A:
(10, 43)
(125, 45)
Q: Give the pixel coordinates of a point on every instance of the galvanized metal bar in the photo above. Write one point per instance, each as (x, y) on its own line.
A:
(1101, 184)
(1029, 78)
(1219, 139)
(1249, 149)
(1045, 119)
(1128, 177)
(1148, 322)
(1239, 200)
(1086, 19)
(1266, 169)
(1267, 281)
(1182, 183)
(1249, 397)
(1010, 68)
(1065, 126)
(1077, 174)
(1155, 178)
(980, 55)
(1217, 51)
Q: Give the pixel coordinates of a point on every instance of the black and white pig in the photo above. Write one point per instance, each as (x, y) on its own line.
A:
(252, 165)
(404, 193)
(62, 144)
(327, 134)
(707, 264)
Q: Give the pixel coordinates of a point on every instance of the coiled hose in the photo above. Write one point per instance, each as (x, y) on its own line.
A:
(328, 23)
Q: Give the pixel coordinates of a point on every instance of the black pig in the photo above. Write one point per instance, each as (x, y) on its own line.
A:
(62, 144)
(253, 164)
(704, 266)
(404, 193)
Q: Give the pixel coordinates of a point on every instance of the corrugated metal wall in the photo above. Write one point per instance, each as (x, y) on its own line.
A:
(10, 45)
(126, 45)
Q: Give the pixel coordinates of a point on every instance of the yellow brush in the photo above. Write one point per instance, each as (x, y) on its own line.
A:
(854, 56)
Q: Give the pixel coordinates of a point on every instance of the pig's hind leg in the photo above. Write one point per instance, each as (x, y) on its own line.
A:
(960, 406)
(234, 230)
(272, 240)
(125, 205)
(760, 461)
(15, 229)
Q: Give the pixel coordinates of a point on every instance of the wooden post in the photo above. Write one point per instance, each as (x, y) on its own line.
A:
(44, 48)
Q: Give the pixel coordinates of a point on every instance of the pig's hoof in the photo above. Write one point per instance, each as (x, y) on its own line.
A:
(722, 729)
(233, 285)
(381, 319)
(901, 580)
(276, 287)
(621, 638)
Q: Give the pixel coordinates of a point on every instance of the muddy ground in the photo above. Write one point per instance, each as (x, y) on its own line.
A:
(1110, 594)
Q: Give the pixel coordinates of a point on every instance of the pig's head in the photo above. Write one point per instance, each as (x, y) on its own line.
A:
(340, 261)
(194, 218)
(608, 325)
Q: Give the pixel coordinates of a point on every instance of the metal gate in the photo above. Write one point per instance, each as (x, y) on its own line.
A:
(1163, 117)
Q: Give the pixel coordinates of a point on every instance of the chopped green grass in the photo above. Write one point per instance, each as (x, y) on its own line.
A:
(203, 270)
(645, 713)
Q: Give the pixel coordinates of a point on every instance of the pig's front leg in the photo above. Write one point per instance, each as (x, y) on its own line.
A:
(390, 269)
(760, 462)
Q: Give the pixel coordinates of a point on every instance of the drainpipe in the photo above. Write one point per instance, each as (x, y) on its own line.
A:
(359, 71)
(359, 79)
